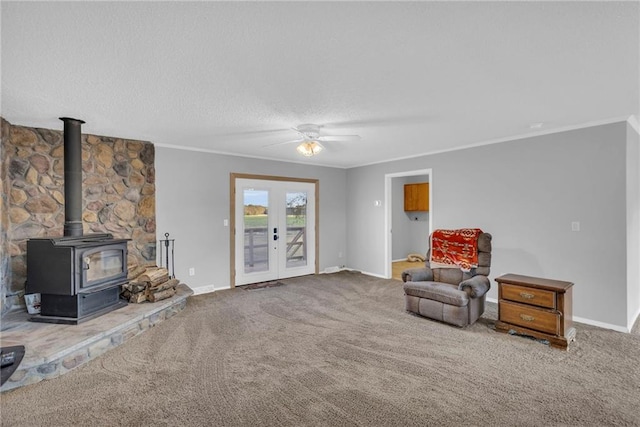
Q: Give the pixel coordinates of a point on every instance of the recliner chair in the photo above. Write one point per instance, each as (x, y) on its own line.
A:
(449, 294)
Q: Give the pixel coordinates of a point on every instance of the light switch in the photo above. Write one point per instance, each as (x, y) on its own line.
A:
(575, 226)
(377, 203)
(225, 222)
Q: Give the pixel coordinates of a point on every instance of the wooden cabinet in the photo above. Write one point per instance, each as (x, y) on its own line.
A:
(537, 307)
(416, 197)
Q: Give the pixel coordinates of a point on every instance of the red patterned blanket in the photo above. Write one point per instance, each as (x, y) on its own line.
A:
(455, 248)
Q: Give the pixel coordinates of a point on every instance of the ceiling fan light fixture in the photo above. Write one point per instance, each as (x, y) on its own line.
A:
(309, 148)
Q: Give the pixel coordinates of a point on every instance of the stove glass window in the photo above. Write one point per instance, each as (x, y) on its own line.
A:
(103, 264)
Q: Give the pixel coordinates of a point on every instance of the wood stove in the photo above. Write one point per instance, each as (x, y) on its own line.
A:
(77, 276)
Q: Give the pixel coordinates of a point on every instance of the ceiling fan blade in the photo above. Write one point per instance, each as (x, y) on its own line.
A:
(252, 133)
(410, 120)
(339, 138)
(282, 143)
(299, 132)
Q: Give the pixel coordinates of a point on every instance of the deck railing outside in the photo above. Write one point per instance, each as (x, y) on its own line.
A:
(256, 242)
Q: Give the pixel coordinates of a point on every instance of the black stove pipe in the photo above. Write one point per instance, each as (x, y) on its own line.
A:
(72, 177)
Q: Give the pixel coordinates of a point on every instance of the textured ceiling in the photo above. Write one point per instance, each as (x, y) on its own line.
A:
(233, 77)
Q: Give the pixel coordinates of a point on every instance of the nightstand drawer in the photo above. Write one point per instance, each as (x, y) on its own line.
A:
(539, 297)
(530, 317)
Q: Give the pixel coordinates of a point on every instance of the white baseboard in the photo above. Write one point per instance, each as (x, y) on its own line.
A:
(602, 324)
(206, 289)
(369, 274)
(332, 269)
(633, 320)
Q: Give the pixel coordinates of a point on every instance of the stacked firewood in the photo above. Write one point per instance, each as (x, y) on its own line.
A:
(149, 283)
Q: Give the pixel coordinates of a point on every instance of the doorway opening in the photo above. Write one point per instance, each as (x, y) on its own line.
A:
(405, 232)
(274, 228)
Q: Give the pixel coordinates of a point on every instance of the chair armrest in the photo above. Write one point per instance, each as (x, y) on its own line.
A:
(476, 286)
(423, 274)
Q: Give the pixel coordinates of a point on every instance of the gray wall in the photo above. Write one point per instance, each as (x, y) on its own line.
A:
(409, 228)
(526, 193)
(193, 201)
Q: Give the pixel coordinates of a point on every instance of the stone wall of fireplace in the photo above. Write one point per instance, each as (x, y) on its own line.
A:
(5, 274)
(118, 196)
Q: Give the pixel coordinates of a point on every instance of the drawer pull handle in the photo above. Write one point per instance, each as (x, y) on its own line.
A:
(527, 318)
(527, 295)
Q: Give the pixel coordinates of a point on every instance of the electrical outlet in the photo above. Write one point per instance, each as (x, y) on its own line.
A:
(192, 271)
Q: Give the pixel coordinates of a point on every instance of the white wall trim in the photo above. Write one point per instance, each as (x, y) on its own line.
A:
(332, 269)
(633, 225)
(380, 276)
(633, 122)
(634, 318)
(505, 139)
(199, 290)
(600, 325)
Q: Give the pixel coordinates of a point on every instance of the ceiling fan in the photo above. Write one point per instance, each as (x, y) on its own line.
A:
(310, 140)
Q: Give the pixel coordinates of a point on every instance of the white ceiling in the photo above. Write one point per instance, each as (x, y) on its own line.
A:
(408, 77)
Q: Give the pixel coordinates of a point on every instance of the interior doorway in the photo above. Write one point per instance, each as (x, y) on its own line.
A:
(274, 228)
(405, 232)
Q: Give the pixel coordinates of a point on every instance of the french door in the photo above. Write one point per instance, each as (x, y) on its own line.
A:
(274, 229)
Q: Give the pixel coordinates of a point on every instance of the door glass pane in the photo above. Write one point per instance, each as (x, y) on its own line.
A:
(256, 236)
(296, 229)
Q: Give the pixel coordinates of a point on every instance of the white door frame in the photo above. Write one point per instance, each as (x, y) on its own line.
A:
(232, 216)
(388, 238)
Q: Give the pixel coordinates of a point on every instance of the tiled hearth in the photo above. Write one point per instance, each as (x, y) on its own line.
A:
(53, 349)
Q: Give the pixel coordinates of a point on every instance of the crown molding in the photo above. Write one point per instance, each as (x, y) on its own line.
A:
(559, 129)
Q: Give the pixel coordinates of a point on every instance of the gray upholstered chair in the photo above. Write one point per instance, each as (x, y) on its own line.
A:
(449, 294)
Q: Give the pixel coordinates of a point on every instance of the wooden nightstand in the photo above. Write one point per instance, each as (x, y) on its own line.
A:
(537, 307)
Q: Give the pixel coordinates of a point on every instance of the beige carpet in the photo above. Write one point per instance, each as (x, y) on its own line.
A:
(337, 350)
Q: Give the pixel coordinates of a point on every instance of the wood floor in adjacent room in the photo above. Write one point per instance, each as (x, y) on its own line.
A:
(397, 267)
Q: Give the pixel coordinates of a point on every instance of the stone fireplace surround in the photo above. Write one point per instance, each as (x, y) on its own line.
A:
(118, 197)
